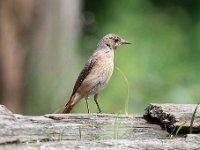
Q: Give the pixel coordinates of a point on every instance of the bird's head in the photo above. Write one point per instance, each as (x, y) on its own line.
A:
(113, 41)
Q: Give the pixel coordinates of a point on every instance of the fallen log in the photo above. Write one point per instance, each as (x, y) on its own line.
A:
(87, 131)
(172, 116)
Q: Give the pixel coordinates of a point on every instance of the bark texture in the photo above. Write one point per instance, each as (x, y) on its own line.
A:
(83, 131)
(172, 116)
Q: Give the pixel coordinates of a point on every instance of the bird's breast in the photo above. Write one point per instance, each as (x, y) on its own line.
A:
(99, 76)
(104, 67)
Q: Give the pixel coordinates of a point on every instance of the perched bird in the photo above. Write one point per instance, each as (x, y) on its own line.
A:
(96, 72)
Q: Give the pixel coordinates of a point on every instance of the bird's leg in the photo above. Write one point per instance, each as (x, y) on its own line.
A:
(96, 101)
(88, 108)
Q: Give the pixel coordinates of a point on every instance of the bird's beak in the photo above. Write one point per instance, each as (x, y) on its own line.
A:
(126, 42)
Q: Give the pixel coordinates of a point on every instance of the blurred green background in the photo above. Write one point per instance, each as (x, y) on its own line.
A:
(55, 38)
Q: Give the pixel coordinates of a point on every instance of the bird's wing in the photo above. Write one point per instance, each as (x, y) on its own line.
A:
(86, 70)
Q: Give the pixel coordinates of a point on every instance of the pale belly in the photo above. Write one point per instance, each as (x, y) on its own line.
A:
(97, 78)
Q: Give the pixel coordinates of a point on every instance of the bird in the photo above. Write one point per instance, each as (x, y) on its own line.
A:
(96, 72)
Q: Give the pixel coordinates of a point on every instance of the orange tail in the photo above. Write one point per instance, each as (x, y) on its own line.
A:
(72, 101)
(69, 105)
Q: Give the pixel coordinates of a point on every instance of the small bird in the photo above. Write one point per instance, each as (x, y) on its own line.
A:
(96, 72)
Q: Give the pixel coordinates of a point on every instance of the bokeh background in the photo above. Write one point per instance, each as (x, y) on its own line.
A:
(45, 43)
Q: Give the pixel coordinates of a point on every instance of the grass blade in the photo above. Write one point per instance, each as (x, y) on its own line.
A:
(179, 128)
(192, 120)
(80, 132)
(128, 90)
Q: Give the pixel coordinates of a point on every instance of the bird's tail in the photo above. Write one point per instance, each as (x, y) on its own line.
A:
(70, 104)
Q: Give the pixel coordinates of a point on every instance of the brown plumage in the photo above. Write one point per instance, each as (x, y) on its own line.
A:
(96, 72)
